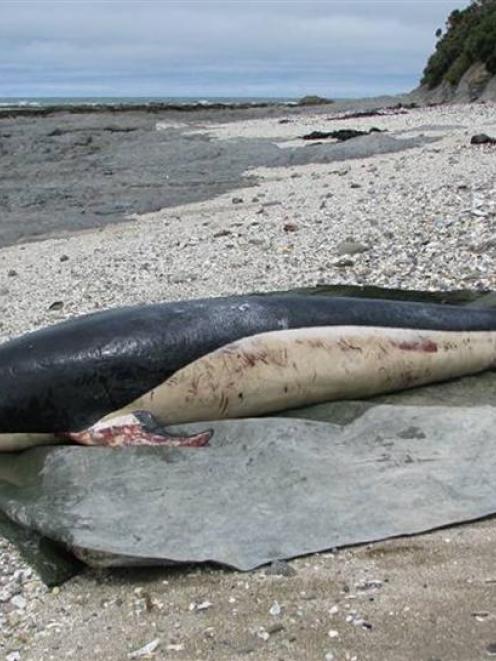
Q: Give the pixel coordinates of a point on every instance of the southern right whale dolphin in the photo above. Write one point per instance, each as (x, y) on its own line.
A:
(115, 377)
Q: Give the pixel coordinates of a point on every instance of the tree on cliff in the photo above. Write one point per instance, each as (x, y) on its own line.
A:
(470, 37)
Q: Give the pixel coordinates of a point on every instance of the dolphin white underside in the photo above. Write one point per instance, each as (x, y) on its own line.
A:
(284, 369)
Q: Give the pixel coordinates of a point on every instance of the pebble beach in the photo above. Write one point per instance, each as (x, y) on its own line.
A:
(419, 217)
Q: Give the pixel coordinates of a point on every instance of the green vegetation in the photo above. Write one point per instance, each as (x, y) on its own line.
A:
(470, 37)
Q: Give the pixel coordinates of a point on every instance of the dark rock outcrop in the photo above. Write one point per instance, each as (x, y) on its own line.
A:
(313, 100)
(475, 84)
(482, 139)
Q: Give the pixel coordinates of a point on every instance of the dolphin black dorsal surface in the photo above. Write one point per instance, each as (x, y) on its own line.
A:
(69, 375)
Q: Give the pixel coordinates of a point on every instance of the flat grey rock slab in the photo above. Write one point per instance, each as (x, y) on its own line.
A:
(265, 489)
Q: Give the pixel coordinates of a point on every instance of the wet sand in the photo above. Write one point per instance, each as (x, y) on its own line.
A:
(68, 171)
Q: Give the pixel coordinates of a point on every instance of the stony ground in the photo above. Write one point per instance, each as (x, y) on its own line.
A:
(422, 218)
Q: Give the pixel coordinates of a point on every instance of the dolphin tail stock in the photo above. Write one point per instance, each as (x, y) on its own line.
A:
(133, 429)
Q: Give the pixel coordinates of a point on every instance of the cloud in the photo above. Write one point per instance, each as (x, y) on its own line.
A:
(215, 48)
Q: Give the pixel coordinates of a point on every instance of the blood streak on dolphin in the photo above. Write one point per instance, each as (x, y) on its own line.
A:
(110, 377)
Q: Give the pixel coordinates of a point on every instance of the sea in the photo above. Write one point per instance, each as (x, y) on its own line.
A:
(16, 102)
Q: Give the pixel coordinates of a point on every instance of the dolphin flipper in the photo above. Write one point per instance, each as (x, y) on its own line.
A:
(136, 428)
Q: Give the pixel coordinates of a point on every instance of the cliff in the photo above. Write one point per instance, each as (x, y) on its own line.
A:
(463, 65)
(476, 84)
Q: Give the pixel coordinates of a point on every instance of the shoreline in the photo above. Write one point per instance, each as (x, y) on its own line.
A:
(46, 108)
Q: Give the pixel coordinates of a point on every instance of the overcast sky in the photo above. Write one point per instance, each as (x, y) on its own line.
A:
(205, 48)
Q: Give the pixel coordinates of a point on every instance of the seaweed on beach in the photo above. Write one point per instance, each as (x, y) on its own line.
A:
(340, 135)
